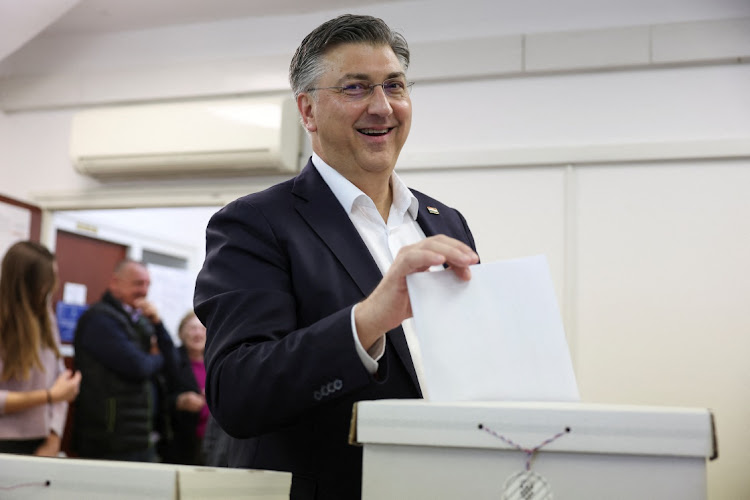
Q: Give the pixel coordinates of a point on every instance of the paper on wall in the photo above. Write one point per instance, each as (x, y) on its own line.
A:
(74, 293)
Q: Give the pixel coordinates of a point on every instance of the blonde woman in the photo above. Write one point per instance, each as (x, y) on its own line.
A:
(35, 387)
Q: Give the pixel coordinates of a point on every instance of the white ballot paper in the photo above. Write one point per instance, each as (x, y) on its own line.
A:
(496, 337)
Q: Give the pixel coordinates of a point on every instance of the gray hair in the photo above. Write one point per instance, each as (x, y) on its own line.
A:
(121, 265)
(307, 64)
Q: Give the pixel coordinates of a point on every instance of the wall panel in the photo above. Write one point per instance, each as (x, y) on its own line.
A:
(663, 287)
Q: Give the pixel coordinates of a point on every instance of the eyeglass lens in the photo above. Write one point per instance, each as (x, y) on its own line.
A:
(392, 88)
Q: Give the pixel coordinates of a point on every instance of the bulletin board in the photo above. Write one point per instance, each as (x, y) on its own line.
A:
(18, 221)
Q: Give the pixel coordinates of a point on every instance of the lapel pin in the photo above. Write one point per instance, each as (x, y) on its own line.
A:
(433, 210)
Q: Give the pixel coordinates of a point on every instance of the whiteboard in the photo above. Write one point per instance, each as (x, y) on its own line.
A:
(15, 225)
(171, 291)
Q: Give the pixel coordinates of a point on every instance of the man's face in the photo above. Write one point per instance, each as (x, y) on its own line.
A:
(346, 133)
(130, 284)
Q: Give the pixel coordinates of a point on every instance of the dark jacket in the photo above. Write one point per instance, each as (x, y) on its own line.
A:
(283, 269)
(185, 446)
(118, 405)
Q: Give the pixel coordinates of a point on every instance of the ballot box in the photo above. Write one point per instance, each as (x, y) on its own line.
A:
(416, 449)
(41, 478)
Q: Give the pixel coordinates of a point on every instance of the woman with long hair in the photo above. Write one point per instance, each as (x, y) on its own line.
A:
(35, 387)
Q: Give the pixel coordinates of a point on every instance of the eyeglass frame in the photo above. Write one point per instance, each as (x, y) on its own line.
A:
(370, 89)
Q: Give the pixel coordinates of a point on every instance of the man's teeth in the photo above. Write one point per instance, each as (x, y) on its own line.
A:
(374, 131)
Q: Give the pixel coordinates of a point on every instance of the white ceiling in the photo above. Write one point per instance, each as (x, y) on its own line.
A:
(22, 20)
(90, 16)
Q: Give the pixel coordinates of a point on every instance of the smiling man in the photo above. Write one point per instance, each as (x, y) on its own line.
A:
(123, 350)
(303, 291)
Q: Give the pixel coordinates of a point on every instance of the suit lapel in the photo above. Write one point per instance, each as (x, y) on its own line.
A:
(431, 223)
(317, 205)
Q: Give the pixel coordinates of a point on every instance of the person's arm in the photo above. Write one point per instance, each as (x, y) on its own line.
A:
(65, 388)
(23, 400)
(163, 340)
(369, 357)
(103, 337)
(388, 305)
(183, 388)
(59, 410)
(50, 447)
(259, 353)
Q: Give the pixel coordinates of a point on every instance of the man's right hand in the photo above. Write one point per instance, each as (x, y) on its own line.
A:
(388, 305)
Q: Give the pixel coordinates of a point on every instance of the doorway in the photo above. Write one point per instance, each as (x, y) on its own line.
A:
(86, 261)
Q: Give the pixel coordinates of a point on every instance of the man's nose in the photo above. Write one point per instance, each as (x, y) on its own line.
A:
(379, 103)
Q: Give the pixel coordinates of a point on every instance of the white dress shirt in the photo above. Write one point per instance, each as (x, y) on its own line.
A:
(384, 240)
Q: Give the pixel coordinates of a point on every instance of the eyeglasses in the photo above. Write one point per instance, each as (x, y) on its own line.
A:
(394, 89)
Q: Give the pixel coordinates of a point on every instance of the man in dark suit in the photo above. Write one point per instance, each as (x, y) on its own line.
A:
(303, 290)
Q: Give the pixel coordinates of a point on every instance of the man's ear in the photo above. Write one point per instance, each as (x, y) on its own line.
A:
(306, 106)
(114, 282)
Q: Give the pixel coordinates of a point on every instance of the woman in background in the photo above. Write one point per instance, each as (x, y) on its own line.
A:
(188, 402)
(35, 387)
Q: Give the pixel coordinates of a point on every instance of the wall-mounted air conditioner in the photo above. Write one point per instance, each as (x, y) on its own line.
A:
(211, 137)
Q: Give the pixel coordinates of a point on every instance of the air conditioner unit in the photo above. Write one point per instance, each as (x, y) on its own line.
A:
(211, 137)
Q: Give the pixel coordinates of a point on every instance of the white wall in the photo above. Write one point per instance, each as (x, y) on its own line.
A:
(661, 295)
(36, 157)
(629, 174)
(4, 153)
(647, 106)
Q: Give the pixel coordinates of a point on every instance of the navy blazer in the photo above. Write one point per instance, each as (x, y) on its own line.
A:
(283, 269)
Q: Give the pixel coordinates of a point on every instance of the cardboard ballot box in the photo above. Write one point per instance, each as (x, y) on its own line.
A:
(39, 478)
(416, 449)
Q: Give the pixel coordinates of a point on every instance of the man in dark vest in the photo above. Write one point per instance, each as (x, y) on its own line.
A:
(122, 348)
